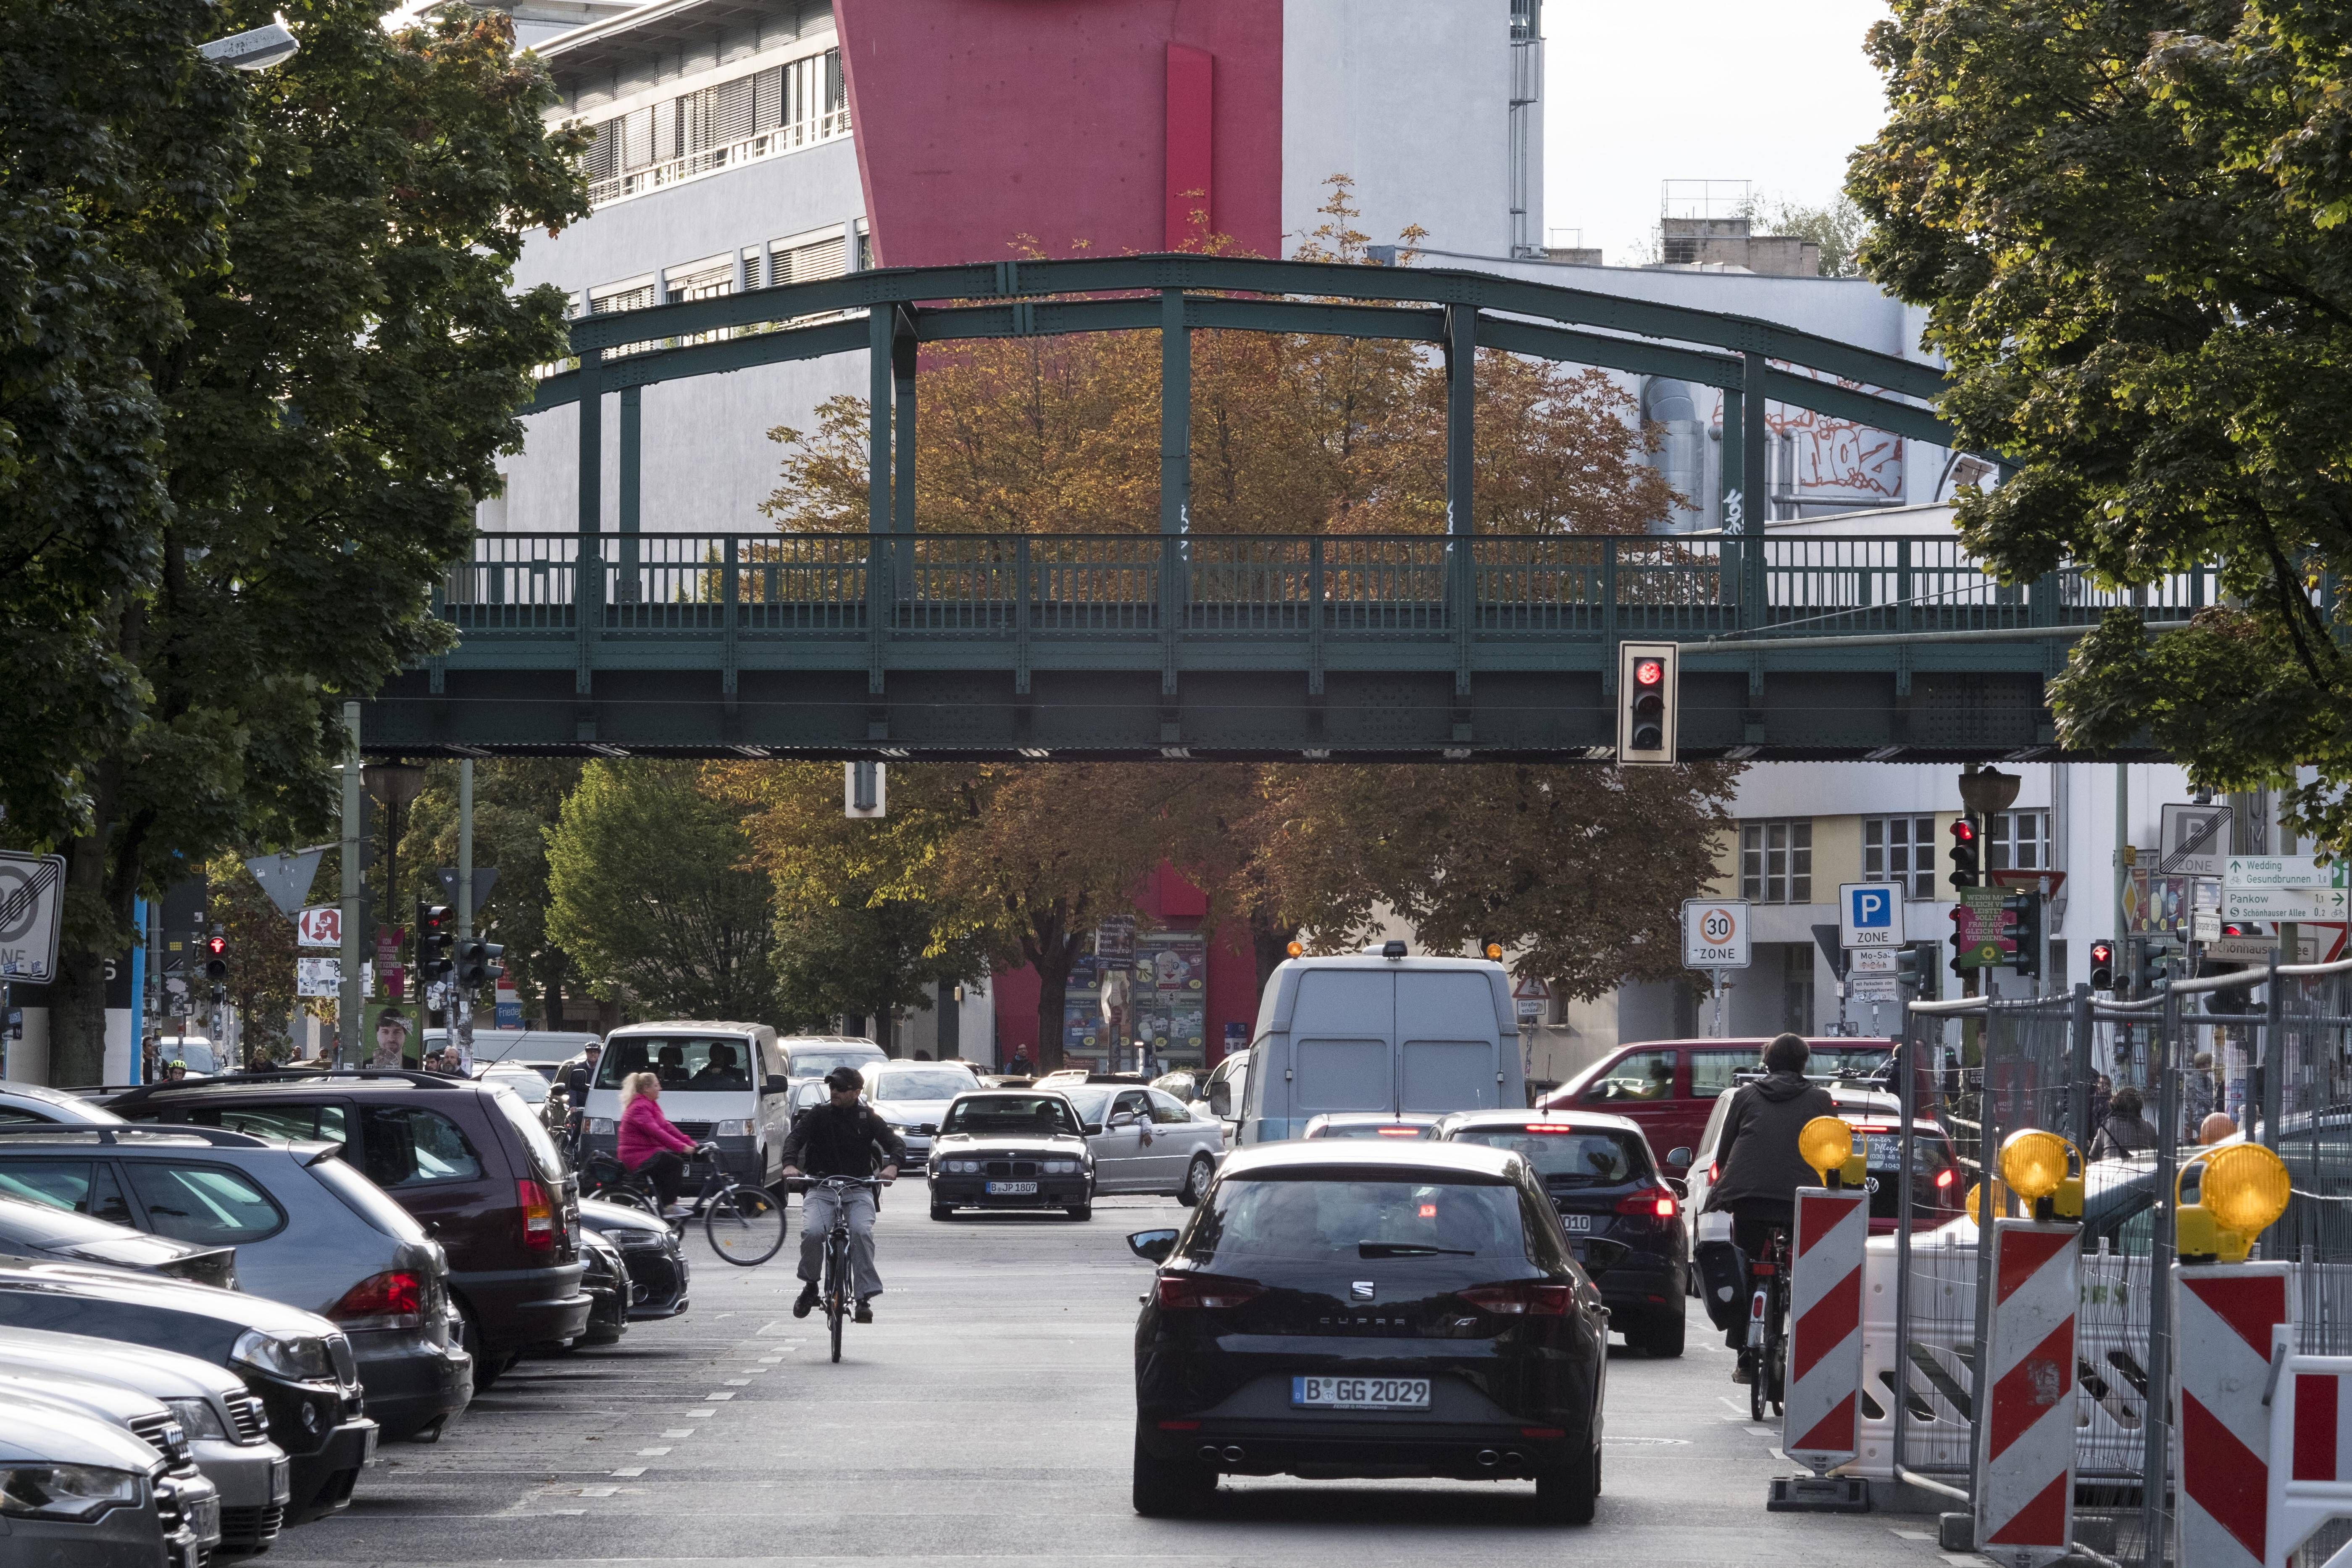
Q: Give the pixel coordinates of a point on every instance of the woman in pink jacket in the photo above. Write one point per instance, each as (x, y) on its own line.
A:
(650, 1143)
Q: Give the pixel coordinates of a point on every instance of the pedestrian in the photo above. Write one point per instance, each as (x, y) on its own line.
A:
(2197, 1091)
(2125, 1133)
(2101, 1095)
(2216, 1128)
(1020, 1066)
(578, 1078)
(649, 1144)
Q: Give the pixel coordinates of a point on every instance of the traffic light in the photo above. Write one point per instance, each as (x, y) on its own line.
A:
(436, 935)
(2025, 933)
(2103, 965)
(478, 963)
(1647, 686)
(2151, 965)
(216, 958)
(1915, 971)
(1961, 946)
(1965, 859)
(2235, 998)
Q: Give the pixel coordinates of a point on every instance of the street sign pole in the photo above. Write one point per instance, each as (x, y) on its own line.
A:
(349, 1006)
(461, 1017)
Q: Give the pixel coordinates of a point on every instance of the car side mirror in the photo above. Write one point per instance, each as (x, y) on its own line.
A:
(1602, 1255)
(1220, 1097)
(1122, 1119)
(1152, 1245)
(776, 1084)
(1681, 1156)
(1679, 1187)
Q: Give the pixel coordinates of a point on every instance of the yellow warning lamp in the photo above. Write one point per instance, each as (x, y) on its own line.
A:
(2040, 1165)
(1295, 948)
(1826, 1144)
(1495, 949)
(2241, 1188)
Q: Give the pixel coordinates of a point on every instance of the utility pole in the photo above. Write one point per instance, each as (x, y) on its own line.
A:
(349, 1006)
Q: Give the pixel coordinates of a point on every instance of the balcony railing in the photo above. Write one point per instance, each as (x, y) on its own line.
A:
(706, 160)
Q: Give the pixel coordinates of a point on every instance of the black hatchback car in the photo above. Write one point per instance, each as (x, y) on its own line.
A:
(1357, 1310)
(1604, 1179)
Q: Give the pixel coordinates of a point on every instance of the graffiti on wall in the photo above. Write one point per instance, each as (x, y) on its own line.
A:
(1833, 460)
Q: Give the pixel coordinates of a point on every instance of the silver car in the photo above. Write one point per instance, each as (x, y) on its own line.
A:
(912, 1096)
(1144, 1141)
(82, 1490)
(228, 1428)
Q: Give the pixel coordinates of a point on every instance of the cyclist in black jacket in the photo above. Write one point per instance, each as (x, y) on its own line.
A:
(840, 1137)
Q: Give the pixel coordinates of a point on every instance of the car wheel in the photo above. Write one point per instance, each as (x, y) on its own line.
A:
(1568, 1493)
(942, 1211)
(1661, 1337)
(1171, 1489)
(469, 1340)
(1082, 1211)
(1197, 1177)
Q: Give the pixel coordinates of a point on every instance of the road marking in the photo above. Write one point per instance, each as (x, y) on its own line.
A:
(679, 1432)
(651, 1453)
(628, 1471)
(598, 1491)
(1912, 1534)
(711, 1397)
(734, 1382)
(700, 1415)
(1737, 1407)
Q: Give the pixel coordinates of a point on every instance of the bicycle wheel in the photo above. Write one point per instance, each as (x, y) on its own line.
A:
(836, 1293)
(745, 1226)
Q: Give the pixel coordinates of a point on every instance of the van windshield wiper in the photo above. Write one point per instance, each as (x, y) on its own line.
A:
(1409, 1250)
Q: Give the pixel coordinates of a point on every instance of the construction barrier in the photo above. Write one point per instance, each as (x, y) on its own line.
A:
(1822, 1413)
(2311, 1446)
(2233, 1319)
(2024, 1503)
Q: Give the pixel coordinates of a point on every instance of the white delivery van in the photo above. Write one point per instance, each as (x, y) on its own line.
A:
(1379, 1031)
(720, 1082)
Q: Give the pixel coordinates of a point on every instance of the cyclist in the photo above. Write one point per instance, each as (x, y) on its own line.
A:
(577, 1079)
(840, 1138)
(1761, 1168)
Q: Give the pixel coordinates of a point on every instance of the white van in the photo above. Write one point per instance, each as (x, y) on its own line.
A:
(720, 1081)
(1379, 1031)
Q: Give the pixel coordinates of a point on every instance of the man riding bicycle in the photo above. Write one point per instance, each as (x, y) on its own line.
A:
(840, 1138)
(1761, 1168)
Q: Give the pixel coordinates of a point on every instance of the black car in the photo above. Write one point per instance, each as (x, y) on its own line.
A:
(656, 1264)
(1606, 1184)
(605, 1278)
(1011, 1149)
(1372, 1310)
(296, 1363)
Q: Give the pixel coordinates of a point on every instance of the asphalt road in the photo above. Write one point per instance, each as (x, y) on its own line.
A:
(987, 1417)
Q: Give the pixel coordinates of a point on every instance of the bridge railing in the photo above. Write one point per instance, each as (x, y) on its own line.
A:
(1254, 585)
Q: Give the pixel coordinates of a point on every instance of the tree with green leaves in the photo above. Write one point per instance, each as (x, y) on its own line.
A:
(330, 411)
(515, 799)
(2129, 223)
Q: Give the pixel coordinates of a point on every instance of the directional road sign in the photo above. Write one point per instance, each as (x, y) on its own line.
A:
(1715, 933)
(1870, 914)
(32, 892)
(2193, 841)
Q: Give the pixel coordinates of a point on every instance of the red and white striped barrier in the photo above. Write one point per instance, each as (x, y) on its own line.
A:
(2025, 1434)
(2311, 1452)
(2230, 1318)
(1820, 1415)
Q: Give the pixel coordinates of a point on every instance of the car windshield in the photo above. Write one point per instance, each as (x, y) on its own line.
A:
(1090, 1101)
(1566, 1157)
(918, 1083)
(690, 1063)
(1860, 1061)
(1031, 1115)
(815, 1061)
(1330, 1218)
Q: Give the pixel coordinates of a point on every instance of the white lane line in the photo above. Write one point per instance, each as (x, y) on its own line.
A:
(627, 1471)
(651, 1453)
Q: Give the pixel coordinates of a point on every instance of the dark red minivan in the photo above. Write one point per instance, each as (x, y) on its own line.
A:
(1670, 1087)
(470, 1161)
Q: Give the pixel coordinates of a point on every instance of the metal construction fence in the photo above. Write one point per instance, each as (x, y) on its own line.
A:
(2276, 1055)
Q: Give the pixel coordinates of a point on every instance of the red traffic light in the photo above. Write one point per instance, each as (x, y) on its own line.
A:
(1963, 830)
(215, 946)
(2102, 953)
(1649, 671)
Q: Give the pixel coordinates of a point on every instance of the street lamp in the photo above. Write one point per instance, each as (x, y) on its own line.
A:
(257, 48)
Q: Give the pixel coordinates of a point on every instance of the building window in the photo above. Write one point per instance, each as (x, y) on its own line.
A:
(1900, 849)
(2018, 841)
(1797, 988)
(1776, 862)
(779, 110)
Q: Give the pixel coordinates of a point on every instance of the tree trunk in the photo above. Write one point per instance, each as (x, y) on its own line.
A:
(1052, 992)
(885, 1032)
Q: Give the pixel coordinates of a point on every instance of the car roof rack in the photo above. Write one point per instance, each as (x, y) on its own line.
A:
(414, 1075)
(108, 1134)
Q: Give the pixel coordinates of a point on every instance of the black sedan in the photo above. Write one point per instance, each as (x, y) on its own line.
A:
(658, 1276)
(1011, 1149)
(1607, 1186)
(1392, 1309)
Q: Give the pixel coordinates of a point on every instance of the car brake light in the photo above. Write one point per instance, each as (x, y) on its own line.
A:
(1944, 1177)
(394, 1299)
(1714, 1172)
(1400, 1132)
(1551, 1127)
(1211, 1292)
(1520, 1299)
(538, 1214)
(1650, 1202)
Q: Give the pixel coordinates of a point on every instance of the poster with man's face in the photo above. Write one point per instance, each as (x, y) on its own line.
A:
(391, 1039)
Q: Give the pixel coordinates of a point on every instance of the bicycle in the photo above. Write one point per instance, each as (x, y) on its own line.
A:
(834, 1290)
(1767, 1327)
(744, 1224)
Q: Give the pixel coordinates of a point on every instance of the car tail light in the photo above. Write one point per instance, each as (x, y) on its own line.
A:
(538, 1229)
(1551, 1127)
(1650, 1203)
(1521, 1297)
(1209, 1292)
(1714, 1172)
(1944, 1177)
(392, 1299)
(1400, 1132)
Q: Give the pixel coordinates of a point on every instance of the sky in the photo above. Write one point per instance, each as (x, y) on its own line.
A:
(1777, 94)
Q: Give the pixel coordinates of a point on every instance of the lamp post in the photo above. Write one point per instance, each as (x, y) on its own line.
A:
(257, 48)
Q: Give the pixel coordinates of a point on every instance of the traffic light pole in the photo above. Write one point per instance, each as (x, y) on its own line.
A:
(352, 1000)
(461, 998)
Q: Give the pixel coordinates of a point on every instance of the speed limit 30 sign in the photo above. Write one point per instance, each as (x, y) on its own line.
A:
(1715, 933)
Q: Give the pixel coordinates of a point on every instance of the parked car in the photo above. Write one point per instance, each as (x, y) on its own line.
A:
(1602, 1177)
(297, 1363)
(39, 1231)
(1021, 1149)
(57, 1390)
(96, 1495)
(228, 1428)
(1937, 1190)
(912, 1096)
(1144, 1141)
(469, 1160)
(721, 1083)
(814, 1055)
(1369, 1309)
(1184, 1085)
(605, 1277)
(543, 1051)
(658, 1276)
(30, 1103)
(1381, 1031)
(1368, 1124)
(289, 1210)
(1670, 1087)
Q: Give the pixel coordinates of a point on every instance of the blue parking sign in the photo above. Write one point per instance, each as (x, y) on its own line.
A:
(1870, 914)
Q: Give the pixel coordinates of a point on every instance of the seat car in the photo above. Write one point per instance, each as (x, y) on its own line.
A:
(306, 1229)
(83, 1491)
(1011, 1149)
(23, 1103)
(40, 1231)
(912, 1096)
(1601, 1176)
(59, 1391)
(1671, 1086)
(297, 1363)
(1146, 1142)
(542, 1051)
(1937, 1190)
(228, 1428)
(467, 1159)
(1368, 1124)
(721, 1083)
(649, 1250)
(1382, 1309)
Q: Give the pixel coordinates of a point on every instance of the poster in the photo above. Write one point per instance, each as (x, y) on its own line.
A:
(1171, 996)
(1082, 1042)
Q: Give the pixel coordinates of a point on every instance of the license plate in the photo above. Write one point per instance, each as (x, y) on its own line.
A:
(1576, 1223)
(203, 1520)
(1360, 1393)
(1013, 1189)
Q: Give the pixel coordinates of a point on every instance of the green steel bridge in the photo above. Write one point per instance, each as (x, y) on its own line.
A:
(896, 644)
